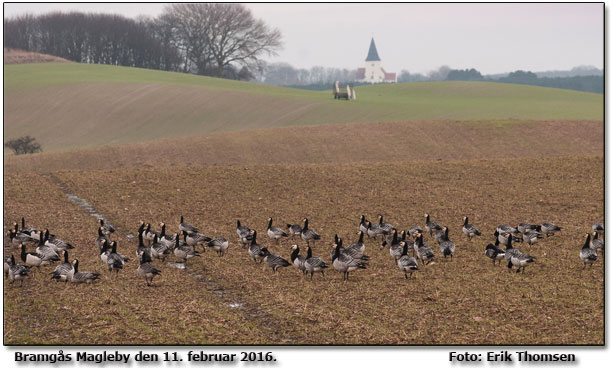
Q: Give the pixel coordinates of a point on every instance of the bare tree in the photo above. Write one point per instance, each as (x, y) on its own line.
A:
(23, 145)
(235, 36)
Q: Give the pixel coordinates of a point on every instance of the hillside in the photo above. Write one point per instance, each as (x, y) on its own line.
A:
(67, 105)
(14, 56)
(337, 143)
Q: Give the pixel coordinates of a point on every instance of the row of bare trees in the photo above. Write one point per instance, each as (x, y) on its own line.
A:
(223, 40)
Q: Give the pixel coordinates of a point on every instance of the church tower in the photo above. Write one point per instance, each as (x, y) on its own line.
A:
(372, 71)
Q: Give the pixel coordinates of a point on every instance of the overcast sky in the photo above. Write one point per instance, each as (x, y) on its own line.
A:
(493, 38)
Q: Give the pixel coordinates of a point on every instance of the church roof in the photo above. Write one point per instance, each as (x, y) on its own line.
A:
(373, 55)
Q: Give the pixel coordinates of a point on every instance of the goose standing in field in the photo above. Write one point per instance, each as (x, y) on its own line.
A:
(17, 271)
(531, 237)
(294, 230)
(314, 264)
(141, 247)
(107, 229)
(344, 263)
(494, 252)
(167, 240)
(354, 250)
(63, 271)
(385, 226)
(254, 247)
(55, 243)
(101, 239)
(20, 238)
(114, 260)
(159, 249)
(394, 244)
(550, 229)
(275, 232)
(307, 234)
(587, 254)
(273, 260)
(219, 245)
(431, 226)
(146, 270)
(516, 258)
(46, 252)
(373, 231)
(358, 247)
(407, 264)
(597, 244)
(149, 234)
(363, 227)
(244, 233)
(297, 259)
(447, 247)
(423, 250)
(470, 230)
(82, 277)
(187, 227)
(510, 251)
(184, 252)
(30, 259)
(194, 239)
(599, 228)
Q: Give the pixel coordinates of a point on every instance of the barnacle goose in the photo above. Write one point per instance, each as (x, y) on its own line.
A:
(30, 259)
(254, 247)
(587, 254)
(82, 277)
(184, 252)
(385, 226)
(447, 247)
(494, 252)
(102, 238)
(423, 250)
(63, 271)
(187, 227)
(275, 232)
(525, 226)
(294, 230)
(107, 228)
(297, 259)
(159, 249)
(470, 230)
(273, 260)
(17, 271)
(307, 234)
(549, 229)
(373, 231)
(243, 232)
(343, 262)
(431, 226)
(146, 269)
(597, 244)
(407, 264)
(314, 264)
(531, 237)
(219, 245)
(599, 228)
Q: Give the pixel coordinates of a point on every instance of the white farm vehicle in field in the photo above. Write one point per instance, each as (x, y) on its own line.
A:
(349, 94)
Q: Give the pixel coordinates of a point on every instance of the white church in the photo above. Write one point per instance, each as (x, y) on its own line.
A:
(372, 71)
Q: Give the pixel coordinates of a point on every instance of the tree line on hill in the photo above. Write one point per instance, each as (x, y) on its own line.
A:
(581, 82)
(221, 40)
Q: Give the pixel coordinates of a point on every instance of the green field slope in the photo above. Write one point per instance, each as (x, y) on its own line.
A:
(67, 105)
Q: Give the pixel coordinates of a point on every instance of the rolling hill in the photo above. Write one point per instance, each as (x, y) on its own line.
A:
(68, 105)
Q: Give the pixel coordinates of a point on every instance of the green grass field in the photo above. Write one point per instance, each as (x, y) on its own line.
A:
(67, 105)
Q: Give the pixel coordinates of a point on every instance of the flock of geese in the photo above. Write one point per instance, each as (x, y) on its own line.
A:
(154, 244)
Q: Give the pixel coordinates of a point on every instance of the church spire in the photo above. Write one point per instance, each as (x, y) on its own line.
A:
(373, 55)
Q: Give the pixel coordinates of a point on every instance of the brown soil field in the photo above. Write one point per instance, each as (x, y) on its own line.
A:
(342, 143)
(14, 56)
(466, 300)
